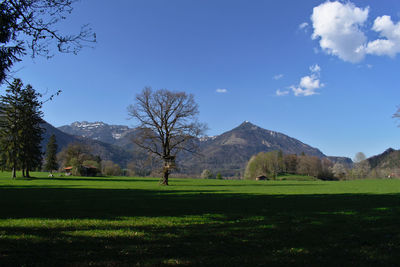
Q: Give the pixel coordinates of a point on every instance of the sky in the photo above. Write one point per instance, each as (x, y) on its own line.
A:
(324, 72)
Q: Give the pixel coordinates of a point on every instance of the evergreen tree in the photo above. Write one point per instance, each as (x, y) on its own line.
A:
(20, 132)
(31, 156)
(3, 122)
(10, 134)
(51, 150)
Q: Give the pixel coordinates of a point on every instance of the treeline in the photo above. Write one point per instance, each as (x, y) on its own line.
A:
(79, 157)
(274, 163)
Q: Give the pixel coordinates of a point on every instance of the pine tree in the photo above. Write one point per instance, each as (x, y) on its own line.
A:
(31, 156)
(20, 131)
(10, 134)
(3, 123)
(51, 159)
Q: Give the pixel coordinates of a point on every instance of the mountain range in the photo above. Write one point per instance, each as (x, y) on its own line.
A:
(98, 130)
(105, 150)
(227, 153)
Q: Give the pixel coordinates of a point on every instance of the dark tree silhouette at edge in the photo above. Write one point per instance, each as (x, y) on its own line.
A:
(29, 27)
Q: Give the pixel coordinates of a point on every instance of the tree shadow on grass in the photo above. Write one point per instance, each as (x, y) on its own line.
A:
(208, 229)
(104, 179)
(257, 185)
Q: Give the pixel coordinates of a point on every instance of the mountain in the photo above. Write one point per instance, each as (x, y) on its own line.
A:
(389, 159)
(99, 131)
(63, 139)
(229, 152)
(347, 162)
(105, 150)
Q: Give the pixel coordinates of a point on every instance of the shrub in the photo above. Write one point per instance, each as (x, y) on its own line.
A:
(207, 174)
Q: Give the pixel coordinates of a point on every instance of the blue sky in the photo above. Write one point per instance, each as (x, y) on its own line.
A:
(326, 73)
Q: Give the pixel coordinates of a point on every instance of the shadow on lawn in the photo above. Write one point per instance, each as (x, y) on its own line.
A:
(104, 179)
(287, 183)
(241, 229)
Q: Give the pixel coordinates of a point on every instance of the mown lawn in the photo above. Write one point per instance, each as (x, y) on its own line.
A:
(134, 221)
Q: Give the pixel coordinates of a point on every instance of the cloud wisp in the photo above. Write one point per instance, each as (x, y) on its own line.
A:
(277, 77)
(221, 90)
(282, 93)
(303, 25)
(340, 29)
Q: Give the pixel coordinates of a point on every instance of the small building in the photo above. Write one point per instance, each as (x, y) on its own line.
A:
(68, 170)
(261, 178)
(89, 170)
(83, 170)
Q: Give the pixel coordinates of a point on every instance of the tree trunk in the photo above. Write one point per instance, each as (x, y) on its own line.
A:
(27, 173)
(165, 177)
(14, 169)
(23, 172)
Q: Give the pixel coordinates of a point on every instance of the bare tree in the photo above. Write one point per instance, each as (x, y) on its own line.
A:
(361, 165)
(168, 125)
(339, 170)
(360, 156)
(396, 115)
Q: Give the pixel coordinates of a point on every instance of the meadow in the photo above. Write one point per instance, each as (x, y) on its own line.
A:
(117, 221)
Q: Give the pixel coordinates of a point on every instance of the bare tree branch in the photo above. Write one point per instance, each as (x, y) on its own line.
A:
(31, 25)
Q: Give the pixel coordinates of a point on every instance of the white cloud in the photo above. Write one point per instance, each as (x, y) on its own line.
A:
(281, 93)
(338, 27)
(388, 46)
(303, 25)
(309, 84)
(278, 76)
(381, 47)
(221, 90)
(315, 68)
(298, 91)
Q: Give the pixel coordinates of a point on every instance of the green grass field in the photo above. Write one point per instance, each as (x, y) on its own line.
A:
(134, 221)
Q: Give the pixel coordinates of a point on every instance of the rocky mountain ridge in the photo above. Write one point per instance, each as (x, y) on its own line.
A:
(98, 130)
